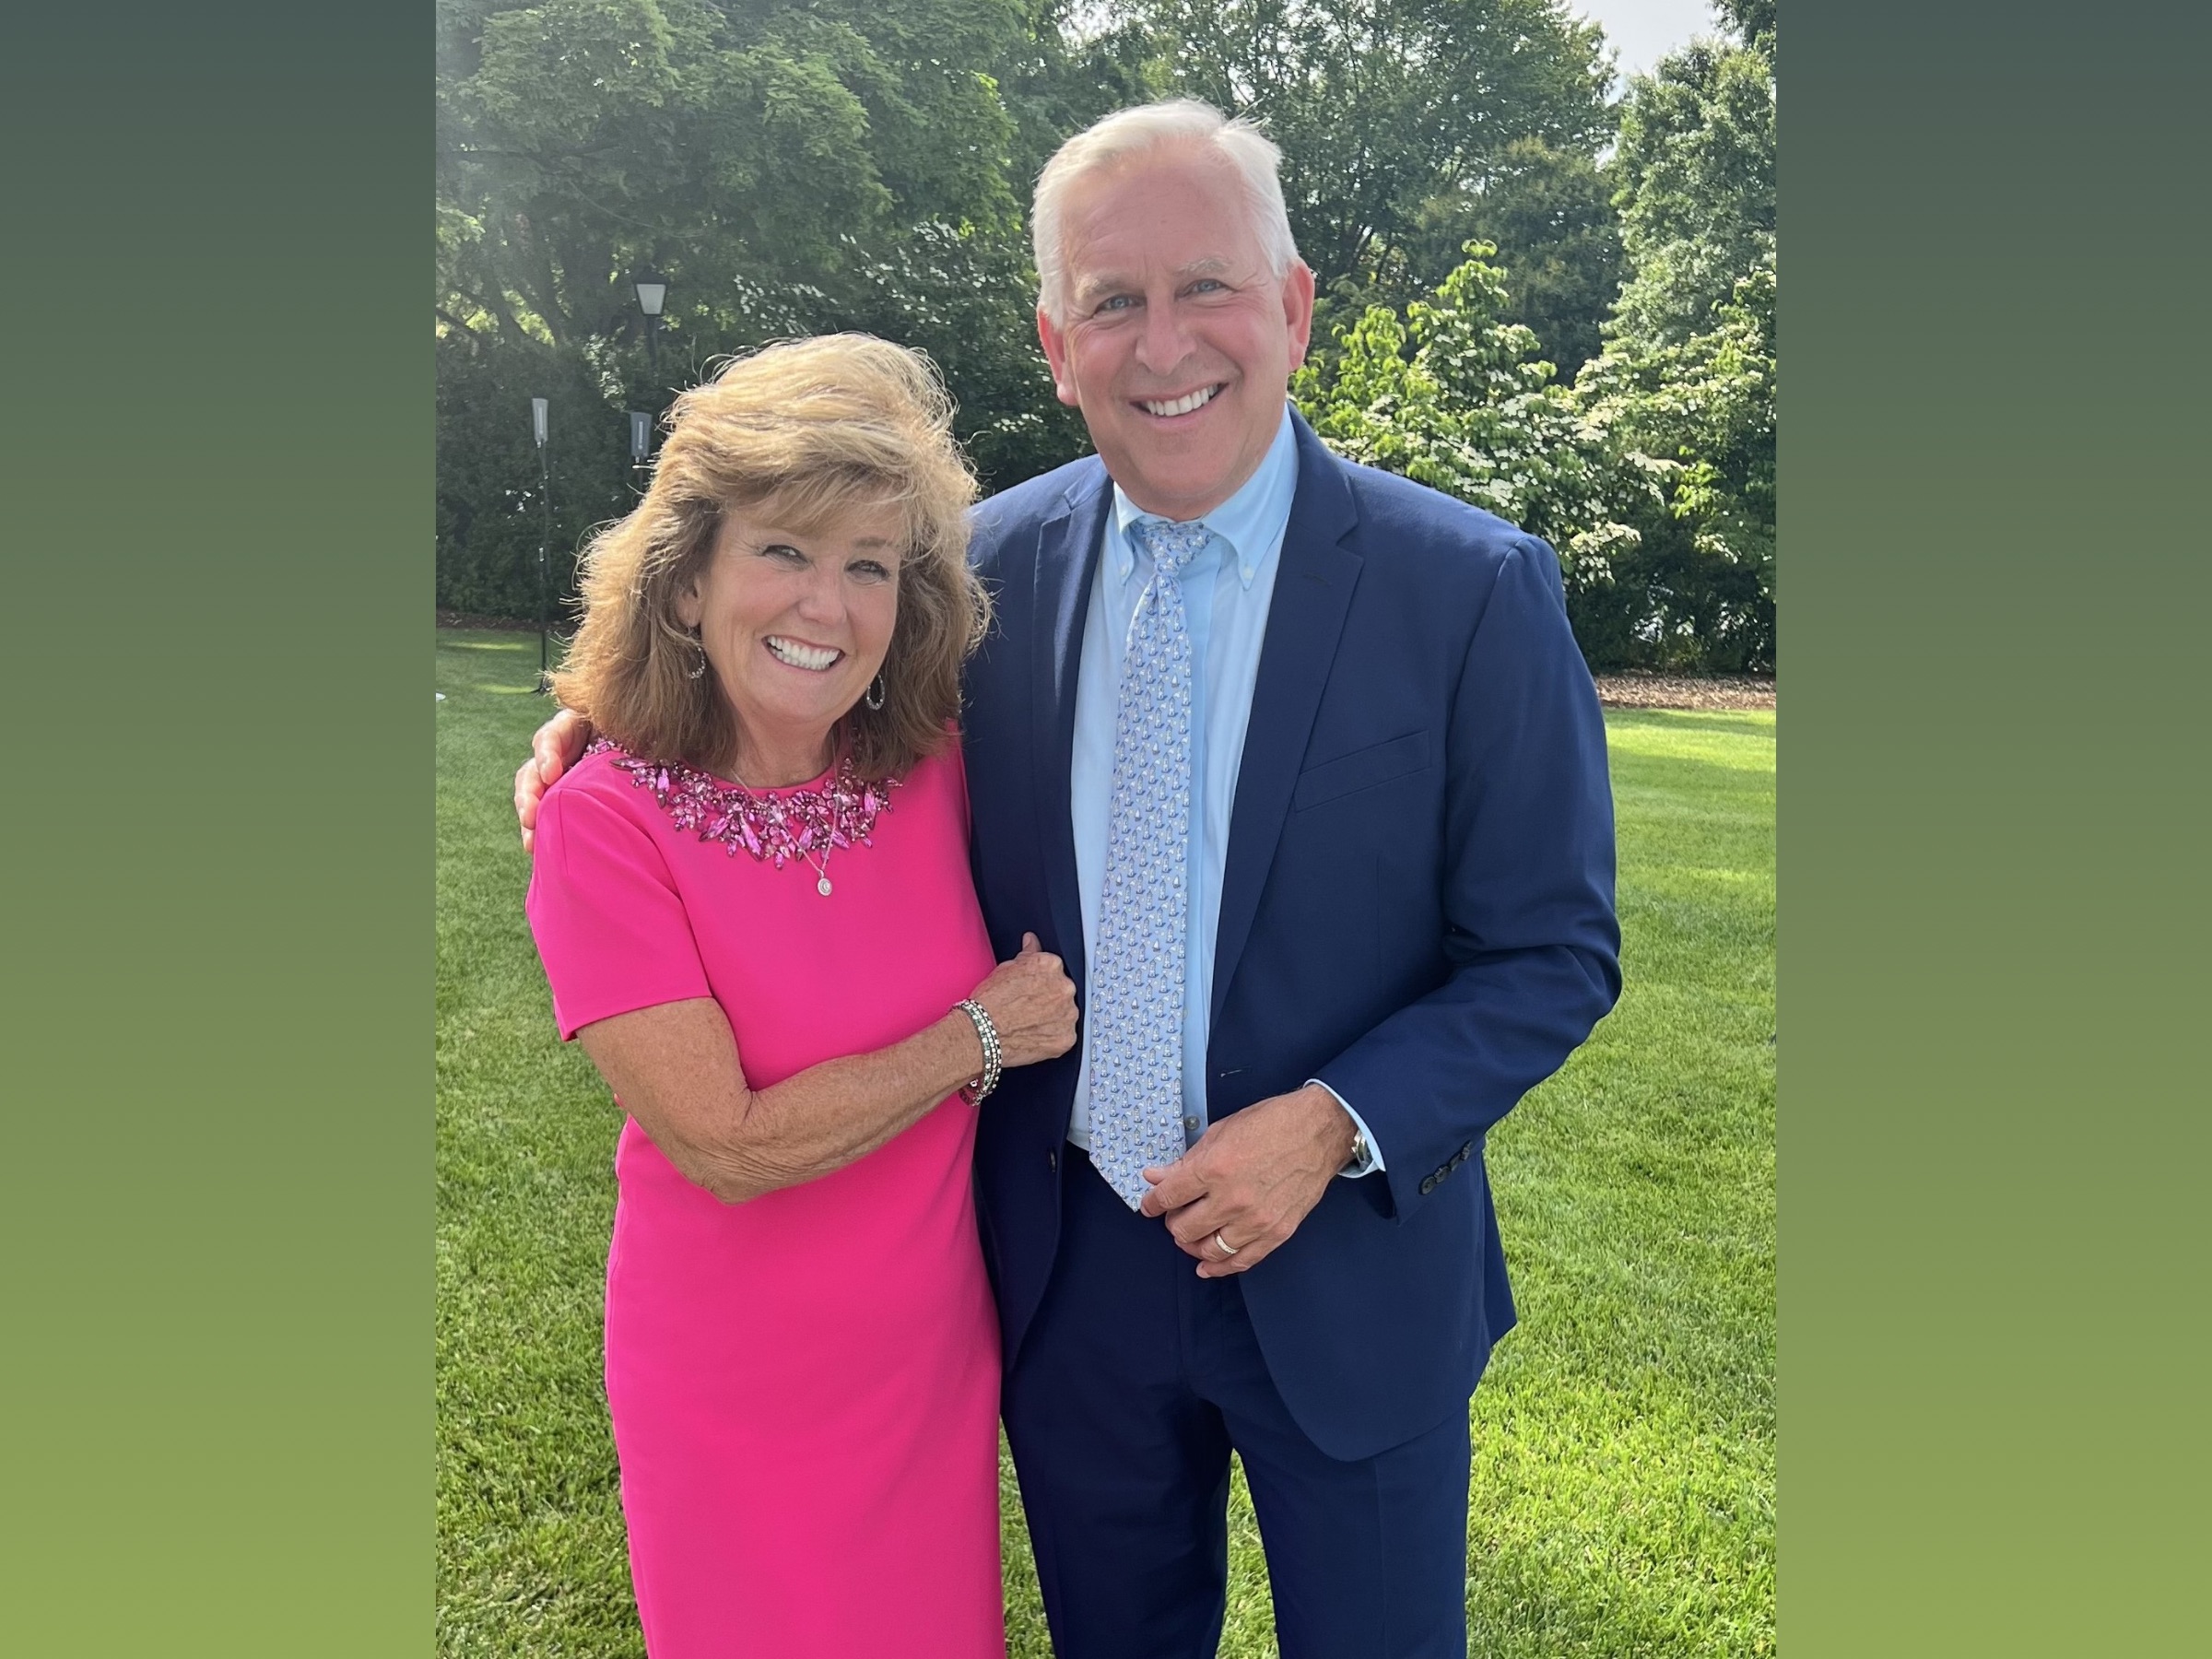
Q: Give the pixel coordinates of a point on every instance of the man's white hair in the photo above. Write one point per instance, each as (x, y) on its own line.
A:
(1128, 133)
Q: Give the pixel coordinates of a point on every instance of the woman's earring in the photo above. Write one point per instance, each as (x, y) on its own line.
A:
(699, 669)
(874, 696)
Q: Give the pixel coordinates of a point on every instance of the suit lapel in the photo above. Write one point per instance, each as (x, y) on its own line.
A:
(1067, 561)
(1313, 582)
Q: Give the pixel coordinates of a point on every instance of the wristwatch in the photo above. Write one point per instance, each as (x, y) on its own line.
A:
(1358, 1162)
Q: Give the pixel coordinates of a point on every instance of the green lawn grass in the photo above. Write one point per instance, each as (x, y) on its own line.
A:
(1623, 1500)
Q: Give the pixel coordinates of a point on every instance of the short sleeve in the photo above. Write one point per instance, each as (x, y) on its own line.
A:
(609, 922)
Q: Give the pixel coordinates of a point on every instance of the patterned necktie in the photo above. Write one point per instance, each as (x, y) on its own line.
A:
(1136, 980)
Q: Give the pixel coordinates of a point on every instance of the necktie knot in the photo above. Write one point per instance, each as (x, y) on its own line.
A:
(1171, 546)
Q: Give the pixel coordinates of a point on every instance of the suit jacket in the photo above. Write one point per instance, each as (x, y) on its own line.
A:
(1417, 907)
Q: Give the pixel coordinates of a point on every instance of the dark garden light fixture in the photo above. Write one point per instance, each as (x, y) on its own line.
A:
(652, 295)
(539, 434)
(641, 449)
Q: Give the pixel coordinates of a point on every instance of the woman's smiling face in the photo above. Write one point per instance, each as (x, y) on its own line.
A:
(795, 625)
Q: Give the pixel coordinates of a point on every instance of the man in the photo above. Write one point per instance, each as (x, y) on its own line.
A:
(1296, 766)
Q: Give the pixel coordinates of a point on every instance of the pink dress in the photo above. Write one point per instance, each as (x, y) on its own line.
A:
(804, 1387)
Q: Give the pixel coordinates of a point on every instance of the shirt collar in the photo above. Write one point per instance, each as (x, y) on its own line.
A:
(1252, 521)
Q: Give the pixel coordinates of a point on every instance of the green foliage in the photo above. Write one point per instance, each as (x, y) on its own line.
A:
(969, 300)
(1456, 397)
(579, 139)
(1653, 478)
(788, 168)
(1698, 590)
(1381, 105)
(1696, 163)
(1752, 22)
(1686, 378)
(1075, 62)
(490, 511)
(1410, 127)
(795, 167)
(1623, 1495)
(1549, 214)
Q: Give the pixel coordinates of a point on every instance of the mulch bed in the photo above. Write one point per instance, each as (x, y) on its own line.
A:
(1639, 688)
(1634, 688)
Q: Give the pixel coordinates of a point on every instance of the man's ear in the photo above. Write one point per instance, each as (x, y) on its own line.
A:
(1297, 309)
(1054, 342)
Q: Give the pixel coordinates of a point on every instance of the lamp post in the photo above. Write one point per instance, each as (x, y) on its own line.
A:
(640, 442)
(545, 544)
(653, 294)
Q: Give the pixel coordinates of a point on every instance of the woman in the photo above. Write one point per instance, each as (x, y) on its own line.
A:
(753, 903)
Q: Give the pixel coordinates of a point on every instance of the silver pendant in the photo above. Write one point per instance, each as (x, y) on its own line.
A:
(822, 886)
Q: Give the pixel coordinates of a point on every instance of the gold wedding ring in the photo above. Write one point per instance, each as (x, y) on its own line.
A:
(1226, 1248)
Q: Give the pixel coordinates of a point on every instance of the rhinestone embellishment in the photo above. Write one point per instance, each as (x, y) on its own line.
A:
(799, 826)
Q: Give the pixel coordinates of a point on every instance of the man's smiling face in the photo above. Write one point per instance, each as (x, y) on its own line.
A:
(1178, 341)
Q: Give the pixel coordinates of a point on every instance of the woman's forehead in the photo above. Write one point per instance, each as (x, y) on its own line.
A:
(882, 525)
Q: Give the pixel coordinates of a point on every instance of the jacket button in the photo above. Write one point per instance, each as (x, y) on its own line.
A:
(1429, 1186)
(1051, 1160)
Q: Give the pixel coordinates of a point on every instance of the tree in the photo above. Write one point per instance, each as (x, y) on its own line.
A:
(490, 516)
(1381, 106)
(1752, 22)
(1700, 417)
(793, 166)
(1458, 398)
(790, 167)
(1549, 213)
(1687, 377)
(764, 142)
(1696, 165)
(1072, 64)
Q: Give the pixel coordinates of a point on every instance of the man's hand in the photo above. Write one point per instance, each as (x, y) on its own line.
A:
(556, 747)
(1252, 1178)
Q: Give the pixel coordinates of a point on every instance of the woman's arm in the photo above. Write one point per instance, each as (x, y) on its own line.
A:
(676, 1069)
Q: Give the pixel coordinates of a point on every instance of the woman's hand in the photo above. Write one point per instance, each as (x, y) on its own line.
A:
(1032, 1005)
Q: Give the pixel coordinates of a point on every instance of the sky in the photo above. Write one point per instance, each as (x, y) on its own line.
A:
(1644, 31)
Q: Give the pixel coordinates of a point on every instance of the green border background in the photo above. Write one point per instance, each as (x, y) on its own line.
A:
(1993, 1115)
(217, 936)
(215, 442)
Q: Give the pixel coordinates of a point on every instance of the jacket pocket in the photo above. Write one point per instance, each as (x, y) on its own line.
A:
(1362, 768)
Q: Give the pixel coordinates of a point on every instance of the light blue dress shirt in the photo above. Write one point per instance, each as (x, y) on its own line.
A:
(1226, 593)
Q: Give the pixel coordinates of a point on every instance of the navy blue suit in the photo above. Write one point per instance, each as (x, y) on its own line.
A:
(1416, 908)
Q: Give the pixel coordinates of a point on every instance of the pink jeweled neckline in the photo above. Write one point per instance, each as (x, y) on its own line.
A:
(817, 818)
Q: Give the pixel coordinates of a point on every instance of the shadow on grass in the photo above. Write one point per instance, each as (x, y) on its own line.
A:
(1737, 724)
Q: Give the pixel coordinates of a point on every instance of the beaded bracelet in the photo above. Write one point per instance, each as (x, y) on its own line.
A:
(987, 1034)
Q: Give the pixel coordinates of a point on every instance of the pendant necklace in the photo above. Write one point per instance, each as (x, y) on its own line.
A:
(821, 870)
(819, 867)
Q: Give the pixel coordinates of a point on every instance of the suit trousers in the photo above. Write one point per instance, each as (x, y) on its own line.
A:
(1135, 1381)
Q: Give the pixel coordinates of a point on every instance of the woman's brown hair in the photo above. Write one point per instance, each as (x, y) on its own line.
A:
(808, 430)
